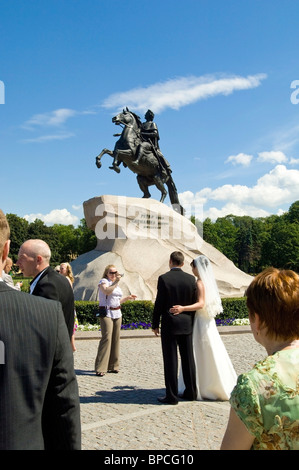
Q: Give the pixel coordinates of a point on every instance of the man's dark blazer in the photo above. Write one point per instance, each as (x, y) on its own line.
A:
(54, 286)
(39, 400)
(174, 288)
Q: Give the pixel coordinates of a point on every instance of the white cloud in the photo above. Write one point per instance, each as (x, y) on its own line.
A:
(277, 188)
(47, 138)
(240, 159)
(213, 213)
(272, 157)
(179, 92)
(230, 192)
(53, 118)
(280, 185)
(56, 216)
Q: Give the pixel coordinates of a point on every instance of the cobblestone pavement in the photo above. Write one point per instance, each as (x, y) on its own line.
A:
(121, 411)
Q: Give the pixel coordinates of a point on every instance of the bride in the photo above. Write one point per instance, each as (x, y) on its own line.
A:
(215, 375)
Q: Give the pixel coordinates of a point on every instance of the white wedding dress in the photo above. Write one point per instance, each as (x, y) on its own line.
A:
(215, 375)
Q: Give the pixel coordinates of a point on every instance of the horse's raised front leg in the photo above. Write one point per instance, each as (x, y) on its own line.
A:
(116, 162)
(98, 158)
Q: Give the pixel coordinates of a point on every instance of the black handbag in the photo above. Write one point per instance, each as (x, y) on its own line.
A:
(102, 310)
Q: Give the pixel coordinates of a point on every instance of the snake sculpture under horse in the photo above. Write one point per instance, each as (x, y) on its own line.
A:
(149, 169)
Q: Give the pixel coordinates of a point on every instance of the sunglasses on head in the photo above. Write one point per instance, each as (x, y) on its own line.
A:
(112, 272)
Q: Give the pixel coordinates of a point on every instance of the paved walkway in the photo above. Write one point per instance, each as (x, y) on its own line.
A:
(121, 411)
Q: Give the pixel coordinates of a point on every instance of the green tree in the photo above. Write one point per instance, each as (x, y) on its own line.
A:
(68, 242)
(281, 249)
(248, 244)
(18, 233)
(86, 237)
(210, 233)
(226, 235)
(293, 213)
(38, 230)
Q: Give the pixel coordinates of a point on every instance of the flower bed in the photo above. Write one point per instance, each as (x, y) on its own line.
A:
(232, 322)
(147, 326)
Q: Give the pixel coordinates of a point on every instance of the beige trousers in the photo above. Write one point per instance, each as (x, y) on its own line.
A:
(109, 346)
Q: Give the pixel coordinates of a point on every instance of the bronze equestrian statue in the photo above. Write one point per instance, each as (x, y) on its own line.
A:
(138, 149)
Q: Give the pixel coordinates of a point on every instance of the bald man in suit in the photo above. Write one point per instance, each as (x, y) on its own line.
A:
(39, 400)
(34, 261)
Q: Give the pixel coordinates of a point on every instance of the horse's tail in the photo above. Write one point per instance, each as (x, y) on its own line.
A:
(173, 196)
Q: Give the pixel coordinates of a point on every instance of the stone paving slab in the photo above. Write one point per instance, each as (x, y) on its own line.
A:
(121, 411)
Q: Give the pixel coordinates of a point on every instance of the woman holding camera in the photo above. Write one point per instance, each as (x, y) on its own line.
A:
(110, 300)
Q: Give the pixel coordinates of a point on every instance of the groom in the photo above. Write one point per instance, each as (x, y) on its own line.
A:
(176, 288)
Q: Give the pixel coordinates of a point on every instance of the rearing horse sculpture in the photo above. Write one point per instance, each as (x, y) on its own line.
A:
(149, 170)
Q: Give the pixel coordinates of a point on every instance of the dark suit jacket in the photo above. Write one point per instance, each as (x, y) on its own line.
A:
(174, 288)
(39, 400)
(54, 286)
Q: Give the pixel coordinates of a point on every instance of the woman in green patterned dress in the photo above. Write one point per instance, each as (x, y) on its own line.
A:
(265, 402)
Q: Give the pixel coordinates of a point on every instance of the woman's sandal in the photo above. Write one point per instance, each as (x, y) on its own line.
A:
(114, 371)
(100, 374)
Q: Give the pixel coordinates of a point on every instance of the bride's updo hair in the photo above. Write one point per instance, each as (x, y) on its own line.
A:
(201, 260)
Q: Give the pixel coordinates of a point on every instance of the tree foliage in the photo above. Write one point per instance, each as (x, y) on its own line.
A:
(256, 243)
(65, 241)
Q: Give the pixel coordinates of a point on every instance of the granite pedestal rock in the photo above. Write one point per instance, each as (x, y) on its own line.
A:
(137, 236)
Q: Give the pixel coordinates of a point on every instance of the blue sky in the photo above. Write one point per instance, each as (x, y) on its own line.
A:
(221, 76)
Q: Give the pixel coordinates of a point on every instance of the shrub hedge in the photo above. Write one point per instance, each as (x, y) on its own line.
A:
(140, 311)
(234, 308)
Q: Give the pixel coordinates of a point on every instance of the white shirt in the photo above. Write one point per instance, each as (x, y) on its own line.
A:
(33, 284)
(112, 300)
